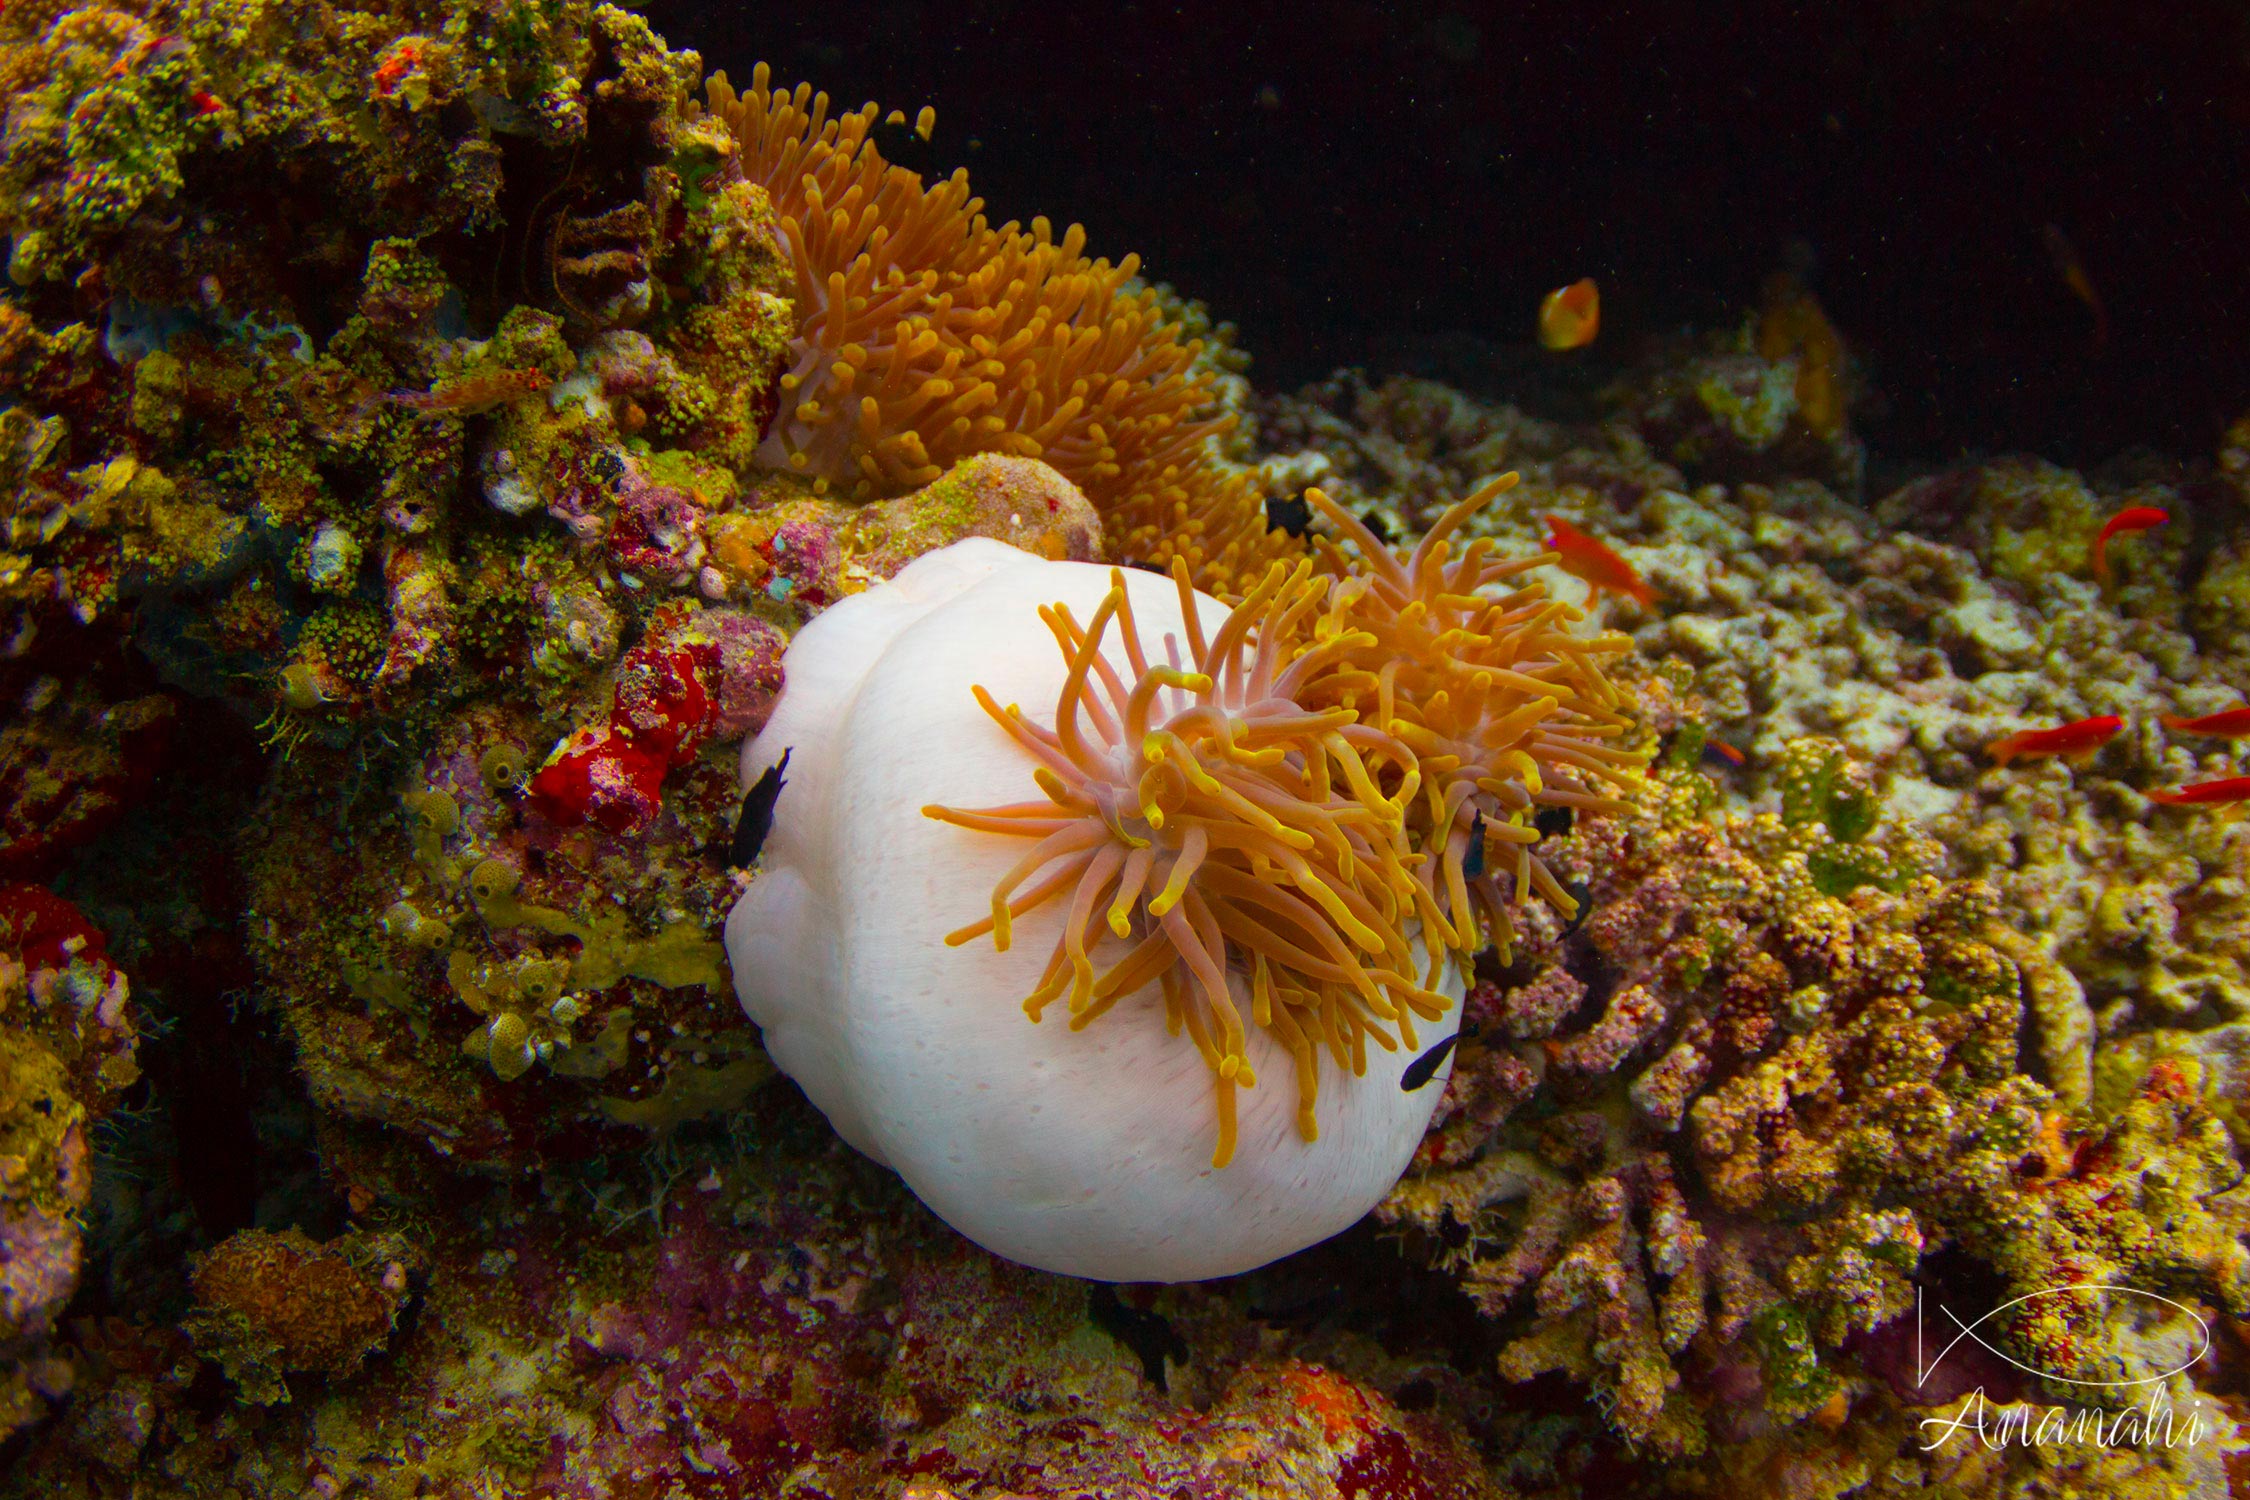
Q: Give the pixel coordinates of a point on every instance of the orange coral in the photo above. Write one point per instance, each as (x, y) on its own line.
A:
(925, 335)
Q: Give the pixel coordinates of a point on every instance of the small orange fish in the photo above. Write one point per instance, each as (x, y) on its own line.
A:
(1570, 316)
(2073, 272)
(2131, 518)
(2234, 723)
(1790, 321)
(1589, 559)
(1719, 749)
(2231, 789)
(2076, 741)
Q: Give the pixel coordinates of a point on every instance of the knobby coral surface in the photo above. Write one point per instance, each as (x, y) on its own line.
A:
(1768, 1089)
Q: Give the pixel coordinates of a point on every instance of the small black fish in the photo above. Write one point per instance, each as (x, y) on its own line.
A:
(1554, 822)
(1373, 520)
(1148, 1334)
(1290, 513)
(1583, 893)
(904, 146)
(1472, 863)
(1424, 1068)
(756, 822)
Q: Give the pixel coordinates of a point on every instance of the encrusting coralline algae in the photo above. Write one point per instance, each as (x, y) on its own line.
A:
(404, 524)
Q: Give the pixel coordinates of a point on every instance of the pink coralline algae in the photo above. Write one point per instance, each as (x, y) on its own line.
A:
(657, 532)
(804, 557)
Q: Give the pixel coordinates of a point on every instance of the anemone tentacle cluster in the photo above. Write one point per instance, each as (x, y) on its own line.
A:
(1227, 826)
(1348, 763)
(925, 335)
(1504, 705)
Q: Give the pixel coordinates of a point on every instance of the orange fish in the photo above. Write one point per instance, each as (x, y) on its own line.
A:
(2229, 790)
(2131, 518)
(1790, 321)
(2077, 741)
(2073, 272)
(1719, 749)
(1590, 560)
(1571, 315)
(2234, 723)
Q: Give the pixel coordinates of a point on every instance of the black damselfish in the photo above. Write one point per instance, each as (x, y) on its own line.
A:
(1582, 892)
(1290, 513)
(756, 822)
(1472, 863)
(1424, 1068)
(902, 145)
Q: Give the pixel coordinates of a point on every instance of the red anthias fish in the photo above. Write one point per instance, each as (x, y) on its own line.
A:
(1590, 560)
(2131, 518)
(2233, 723)
(2073, 271)
(2224, 792)
(2077, 741)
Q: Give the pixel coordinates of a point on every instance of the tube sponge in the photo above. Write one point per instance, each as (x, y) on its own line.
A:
(981, 693)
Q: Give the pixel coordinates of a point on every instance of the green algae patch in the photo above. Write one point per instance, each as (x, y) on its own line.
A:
(676, 956)
(691, 1093)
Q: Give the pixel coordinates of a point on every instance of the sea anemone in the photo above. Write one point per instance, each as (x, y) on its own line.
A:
(925, 335)
(1266, 832)
(1271, 913)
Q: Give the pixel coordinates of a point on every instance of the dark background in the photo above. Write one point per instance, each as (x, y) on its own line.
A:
(1396, 186)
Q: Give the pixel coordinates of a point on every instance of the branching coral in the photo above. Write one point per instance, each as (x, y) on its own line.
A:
(1725, 1128)
(925, 335)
